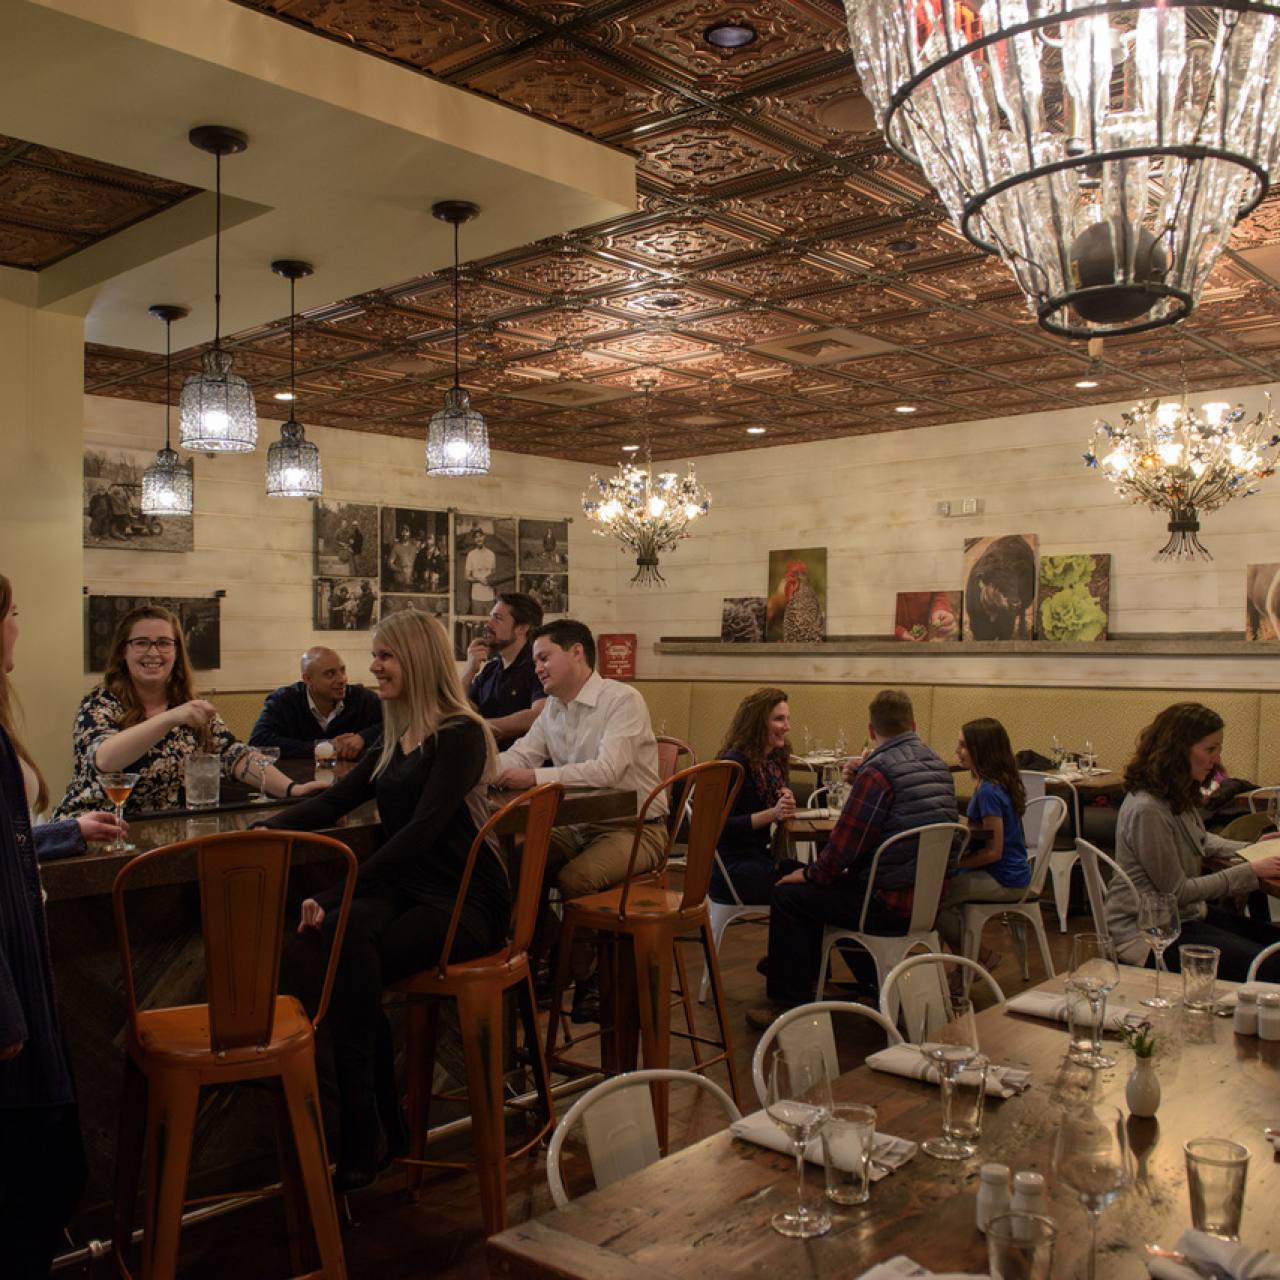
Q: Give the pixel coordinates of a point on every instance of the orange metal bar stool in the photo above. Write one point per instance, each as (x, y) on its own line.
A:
(247, 1031)
(654, 919)
(479, 987)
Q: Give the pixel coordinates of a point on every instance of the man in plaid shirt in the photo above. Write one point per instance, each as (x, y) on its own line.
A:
(901, 783)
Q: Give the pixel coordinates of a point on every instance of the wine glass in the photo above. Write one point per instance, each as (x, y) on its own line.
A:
(806, 739)
(1095, 972)
(1091, 1156)
(1088, 757)
(1160, 925)
(799, 1103)
(1056, 752)
(952, 1046)
(262, 760)
(118, 788)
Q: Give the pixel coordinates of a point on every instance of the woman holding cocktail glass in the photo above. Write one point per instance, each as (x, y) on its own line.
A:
(145, 719)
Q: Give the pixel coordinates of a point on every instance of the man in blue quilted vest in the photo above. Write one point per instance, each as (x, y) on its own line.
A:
(899, 784)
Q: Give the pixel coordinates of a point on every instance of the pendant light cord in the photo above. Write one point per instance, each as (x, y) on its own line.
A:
(168, 378)
(293, 349)
(217, 253)
(457, 307)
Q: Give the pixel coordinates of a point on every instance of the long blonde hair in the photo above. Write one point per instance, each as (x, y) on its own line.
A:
(116, 680)
(9, 706)
(430, 689)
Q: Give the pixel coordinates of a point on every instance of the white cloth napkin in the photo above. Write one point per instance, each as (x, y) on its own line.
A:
(909, 1060)
(1208, 1253)
(1228, 998)
(803, 815)
(1053, 1007)
(902, 1268)
(890, 1153)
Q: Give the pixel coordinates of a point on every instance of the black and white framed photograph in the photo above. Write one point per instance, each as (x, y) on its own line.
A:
(465, 630)
(200, 617)
(415, 551)
(550, 590)
(544, 546)
(344, 604)
(437, 606)
(484, 557)
(113, 505)
(346, 539)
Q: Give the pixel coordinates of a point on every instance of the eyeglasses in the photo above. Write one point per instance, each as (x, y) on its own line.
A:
(140, 644)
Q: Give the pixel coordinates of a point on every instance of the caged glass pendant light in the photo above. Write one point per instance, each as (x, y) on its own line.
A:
(218, 410)
(457, 439)
(166, 483)
(293, 461)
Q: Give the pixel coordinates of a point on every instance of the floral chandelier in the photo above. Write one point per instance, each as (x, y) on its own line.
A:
(1170, 458)
(1104, 149)
(645, 513)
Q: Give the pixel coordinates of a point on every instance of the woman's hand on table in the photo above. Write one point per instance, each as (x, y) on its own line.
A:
(312, 915)
(197, 714)
(310, 788)
(786, 806)
(99, 826)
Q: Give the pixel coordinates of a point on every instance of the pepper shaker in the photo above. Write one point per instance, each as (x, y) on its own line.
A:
(1245, 1018)
(1269, 1016)
(993, 1192)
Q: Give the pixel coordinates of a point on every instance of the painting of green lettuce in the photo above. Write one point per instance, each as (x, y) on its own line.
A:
(1074, 591)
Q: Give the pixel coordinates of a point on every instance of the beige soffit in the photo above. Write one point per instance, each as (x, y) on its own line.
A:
(347, 154)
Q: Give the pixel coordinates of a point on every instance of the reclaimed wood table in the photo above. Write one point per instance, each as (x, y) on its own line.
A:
(705, 1211)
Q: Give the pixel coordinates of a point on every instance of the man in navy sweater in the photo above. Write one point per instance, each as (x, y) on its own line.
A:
(320, 706)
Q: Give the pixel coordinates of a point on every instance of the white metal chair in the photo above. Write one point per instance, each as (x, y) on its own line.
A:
(809, 1026)
(1262, 955)
(933, 857)
(917, 990)
(723, 914)
(1260, 797)
(618, 1122)
(1044, 816)
(1061, 861)
(1092, 860)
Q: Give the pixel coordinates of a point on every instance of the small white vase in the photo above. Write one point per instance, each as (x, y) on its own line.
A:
(1142, 1091)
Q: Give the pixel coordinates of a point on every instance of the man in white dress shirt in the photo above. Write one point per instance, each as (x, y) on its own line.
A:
(596, 733)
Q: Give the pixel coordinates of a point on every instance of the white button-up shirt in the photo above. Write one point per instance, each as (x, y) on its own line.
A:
(603, 737)
(323, 720)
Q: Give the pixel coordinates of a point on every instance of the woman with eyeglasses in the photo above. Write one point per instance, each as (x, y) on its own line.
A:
(145, 718)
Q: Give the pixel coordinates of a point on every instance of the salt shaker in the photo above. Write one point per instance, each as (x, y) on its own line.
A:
(1269, 1016)
(993, 1192)
(1245, 1018)
(1029, 1194)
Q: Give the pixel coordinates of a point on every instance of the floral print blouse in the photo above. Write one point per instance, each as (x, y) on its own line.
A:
(160, 769)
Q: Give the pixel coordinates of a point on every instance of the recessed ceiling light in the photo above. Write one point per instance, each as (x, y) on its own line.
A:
(902, 246)
(284, 395)
(904, 408)
(1086, 384)
(630, 448)
(667, 301)
(729, 35)
(756, 431)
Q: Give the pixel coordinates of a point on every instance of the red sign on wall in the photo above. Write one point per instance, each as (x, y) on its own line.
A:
(616, 656)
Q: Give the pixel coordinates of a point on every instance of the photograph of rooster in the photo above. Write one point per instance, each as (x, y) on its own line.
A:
(1000, 587)
(796, 607)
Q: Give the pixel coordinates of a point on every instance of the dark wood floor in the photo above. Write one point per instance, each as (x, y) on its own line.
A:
(441, 1235)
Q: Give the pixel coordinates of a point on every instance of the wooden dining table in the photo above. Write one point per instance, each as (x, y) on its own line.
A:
(705, 1211)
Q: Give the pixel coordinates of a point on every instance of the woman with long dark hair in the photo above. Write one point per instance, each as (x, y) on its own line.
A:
(41, 1157)
(146, 717)
(996, 868)
(757, 740)
(1162, 843)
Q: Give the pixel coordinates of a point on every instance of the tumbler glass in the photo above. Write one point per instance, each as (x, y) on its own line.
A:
(848, 1139)
(1216, 1172)
(1199, 975)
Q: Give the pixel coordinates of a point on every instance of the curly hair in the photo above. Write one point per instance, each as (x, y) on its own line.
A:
(1161, 761)
(749, 729)
(992, 754)
(116, 680)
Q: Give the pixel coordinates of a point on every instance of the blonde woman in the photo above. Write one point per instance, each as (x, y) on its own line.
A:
(428, 775)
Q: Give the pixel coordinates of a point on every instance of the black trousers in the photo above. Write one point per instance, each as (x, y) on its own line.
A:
(42, 1173)
(1238, 937)
(753, 875)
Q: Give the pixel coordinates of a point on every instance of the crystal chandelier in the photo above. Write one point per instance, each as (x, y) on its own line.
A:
(457, 438)
(166, 483)
(1103, 149)
(1171, 458)
(644, 512)
(218, 412)
(293, 461)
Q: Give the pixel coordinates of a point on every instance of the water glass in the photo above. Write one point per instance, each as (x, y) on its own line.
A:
(1216, 1171)
(202, 780)
(1079, 1025)
(848, 1139)
(1199, 975)
(1020, 1246)
(968, 1100)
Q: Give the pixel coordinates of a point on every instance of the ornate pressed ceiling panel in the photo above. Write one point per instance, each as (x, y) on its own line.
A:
(769, 210)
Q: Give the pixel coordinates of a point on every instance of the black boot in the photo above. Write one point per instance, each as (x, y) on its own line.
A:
(362, 1149)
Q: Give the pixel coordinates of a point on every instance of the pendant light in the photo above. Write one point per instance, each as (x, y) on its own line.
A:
(457, 439)
(293, 462)
(166, 483)
(218, 412)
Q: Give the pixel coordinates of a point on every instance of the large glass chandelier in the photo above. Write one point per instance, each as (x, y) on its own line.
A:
(293, 461)
(457, 438)
(1103, 149)
(218, 410)
(167, 482)
(646, 513)
(1172, 458)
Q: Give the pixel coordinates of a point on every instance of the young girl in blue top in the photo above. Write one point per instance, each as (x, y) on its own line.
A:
(996, 868)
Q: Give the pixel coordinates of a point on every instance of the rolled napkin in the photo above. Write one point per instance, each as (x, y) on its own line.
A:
(888, 1154)
(1207, 1255)
(811, 815)
(1053, 1007)
(903, 1268)
(909, 1060)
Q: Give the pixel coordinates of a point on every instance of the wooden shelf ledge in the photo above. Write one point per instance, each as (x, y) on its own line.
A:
(1205, 646)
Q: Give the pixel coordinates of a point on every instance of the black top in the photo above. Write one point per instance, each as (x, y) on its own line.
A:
(429, 802)
(739, 839)
(502, 691)
(287, 721)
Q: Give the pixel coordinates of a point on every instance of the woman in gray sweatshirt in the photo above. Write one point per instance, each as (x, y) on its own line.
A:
(1162, 843)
